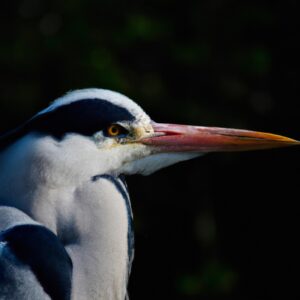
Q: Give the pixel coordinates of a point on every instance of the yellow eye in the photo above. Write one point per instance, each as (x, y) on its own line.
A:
(114, 130)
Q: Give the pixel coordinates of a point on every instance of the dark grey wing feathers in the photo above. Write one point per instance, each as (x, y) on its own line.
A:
(34, 264)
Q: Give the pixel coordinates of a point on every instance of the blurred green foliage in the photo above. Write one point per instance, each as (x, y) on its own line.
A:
(144, 49)
(215, 279)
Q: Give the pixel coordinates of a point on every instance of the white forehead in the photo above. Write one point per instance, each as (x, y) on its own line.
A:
(101, 94)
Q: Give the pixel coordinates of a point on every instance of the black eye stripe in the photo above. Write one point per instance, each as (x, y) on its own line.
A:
(86, 117)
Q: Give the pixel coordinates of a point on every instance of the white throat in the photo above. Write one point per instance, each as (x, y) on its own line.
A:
(90, 217)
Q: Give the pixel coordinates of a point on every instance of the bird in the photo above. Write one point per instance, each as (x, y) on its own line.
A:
(66, 223)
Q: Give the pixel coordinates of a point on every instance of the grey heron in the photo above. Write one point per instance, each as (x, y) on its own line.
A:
(65, 215)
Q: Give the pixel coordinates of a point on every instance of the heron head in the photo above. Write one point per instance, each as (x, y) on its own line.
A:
(106, 132)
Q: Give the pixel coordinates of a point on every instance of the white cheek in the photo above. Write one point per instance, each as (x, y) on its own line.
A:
(104, 142)
(149, 164)
(119, 155)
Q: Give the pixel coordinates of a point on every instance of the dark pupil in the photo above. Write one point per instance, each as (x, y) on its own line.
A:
(114, 129)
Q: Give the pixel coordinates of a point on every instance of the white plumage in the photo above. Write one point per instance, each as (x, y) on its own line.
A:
(65, 215)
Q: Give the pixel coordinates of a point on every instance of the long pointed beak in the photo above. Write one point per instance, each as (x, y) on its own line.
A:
(186, 138)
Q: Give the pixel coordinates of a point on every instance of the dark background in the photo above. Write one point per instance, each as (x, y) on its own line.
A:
(220, 227)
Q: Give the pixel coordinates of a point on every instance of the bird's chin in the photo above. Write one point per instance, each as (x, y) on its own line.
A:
(152, 163)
